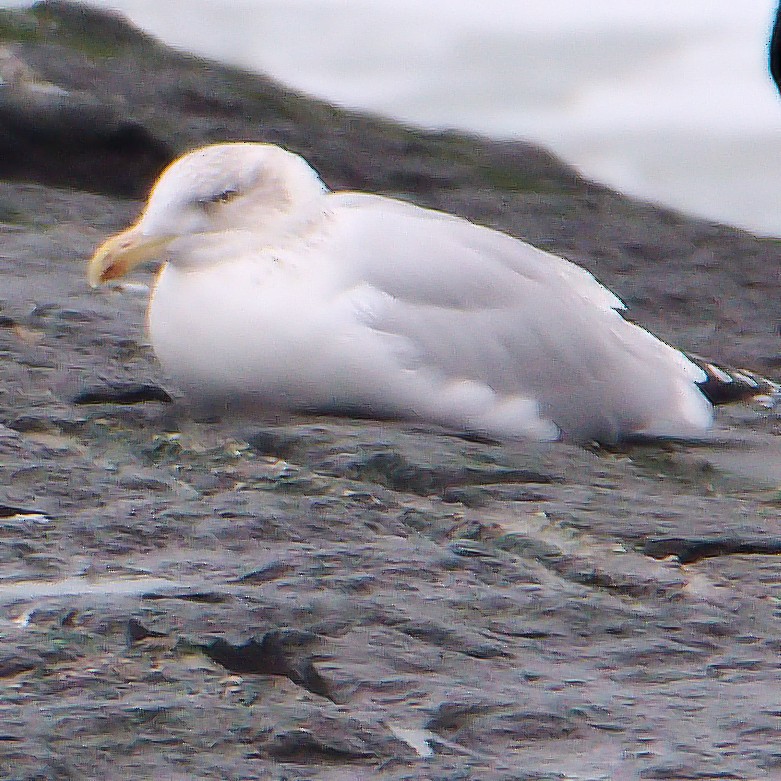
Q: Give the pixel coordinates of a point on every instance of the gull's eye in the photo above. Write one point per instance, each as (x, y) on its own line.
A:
(221, 197)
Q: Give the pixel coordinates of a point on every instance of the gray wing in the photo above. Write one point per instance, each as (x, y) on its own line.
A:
(476, 305)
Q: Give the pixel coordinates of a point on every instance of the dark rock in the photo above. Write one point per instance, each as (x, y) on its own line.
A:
(396, 472)
(302, 746)
(272, 571)
(200, 597)
(69, 140)
(26, 424)
(469, 496)
(77, 21)
(468, 724)
(460, 640)
(129, 393)
(276, 653)
(274, 443)
(13, 665)
(136, 632)
(689, 551)
(7, 511)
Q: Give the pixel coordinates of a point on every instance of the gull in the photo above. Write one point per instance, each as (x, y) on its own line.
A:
(278, 293)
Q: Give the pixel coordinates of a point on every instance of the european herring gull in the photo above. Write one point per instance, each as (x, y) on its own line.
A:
(280, 293)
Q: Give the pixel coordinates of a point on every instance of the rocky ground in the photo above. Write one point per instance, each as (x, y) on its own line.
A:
(329, 599)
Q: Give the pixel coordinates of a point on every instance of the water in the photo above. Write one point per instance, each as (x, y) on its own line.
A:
(669, 101)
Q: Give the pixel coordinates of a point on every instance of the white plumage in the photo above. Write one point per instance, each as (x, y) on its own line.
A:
(288, 296)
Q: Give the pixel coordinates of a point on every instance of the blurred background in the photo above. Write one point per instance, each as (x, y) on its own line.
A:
(667, 100)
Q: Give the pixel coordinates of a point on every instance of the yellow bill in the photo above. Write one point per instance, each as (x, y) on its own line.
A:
(120, 254)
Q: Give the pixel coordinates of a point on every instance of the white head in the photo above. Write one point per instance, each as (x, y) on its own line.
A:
(225, 187)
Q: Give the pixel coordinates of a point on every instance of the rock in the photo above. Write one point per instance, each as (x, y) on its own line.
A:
(70, 139)
(130, 393)
(276, 653)
(689, 551)
(12, 664)
(136, 632)
(386, 599)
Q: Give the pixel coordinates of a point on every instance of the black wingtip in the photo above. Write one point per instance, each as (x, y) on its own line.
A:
(726, 385)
